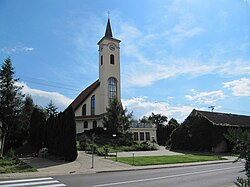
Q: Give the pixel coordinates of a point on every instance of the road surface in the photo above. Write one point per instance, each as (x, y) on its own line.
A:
(215, 175)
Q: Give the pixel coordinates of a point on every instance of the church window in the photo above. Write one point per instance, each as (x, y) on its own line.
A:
(101, 60)
(85, 125)
(93, 105)
(112, 59)
(94, 124)
(112, 88)
(84, 110)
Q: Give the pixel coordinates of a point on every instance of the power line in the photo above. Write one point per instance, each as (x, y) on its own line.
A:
(44, 80)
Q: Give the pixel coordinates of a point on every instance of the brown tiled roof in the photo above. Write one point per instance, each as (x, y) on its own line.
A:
(84, 95)
(224, 119)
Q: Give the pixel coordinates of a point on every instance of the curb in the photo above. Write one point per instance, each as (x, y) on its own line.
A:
(166, 166)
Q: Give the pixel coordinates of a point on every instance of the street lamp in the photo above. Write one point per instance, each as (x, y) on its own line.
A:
(114, 136)
(93, 149)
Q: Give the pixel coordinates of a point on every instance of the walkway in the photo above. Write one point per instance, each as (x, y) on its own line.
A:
(161, 152)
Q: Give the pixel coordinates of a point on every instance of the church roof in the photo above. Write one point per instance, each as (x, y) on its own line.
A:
(108, 32)
(224, 119)
(84, 95)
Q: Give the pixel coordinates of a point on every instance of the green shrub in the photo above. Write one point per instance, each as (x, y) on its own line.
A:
(84, 140)
(242, 182)
(145, 146)
(11, 154)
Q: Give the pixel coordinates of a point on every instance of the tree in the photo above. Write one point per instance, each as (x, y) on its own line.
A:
(51, 109)
(10, 103)
(26, 112)
(144, 120)
(241, 141)
(69, 139)
(173, 123)
(158, 119)
(37, 125)
(117, 120)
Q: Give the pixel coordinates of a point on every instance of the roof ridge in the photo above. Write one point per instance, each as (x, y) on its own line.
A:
(84, 94)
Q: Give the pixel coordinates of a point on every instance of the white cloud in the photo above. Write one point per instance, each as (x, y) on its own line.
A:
(42, 98)
(206, 97)
(236, 67)
(16, 49)
(142, 107)
(150, 69)
(239, 87)
(151, 72)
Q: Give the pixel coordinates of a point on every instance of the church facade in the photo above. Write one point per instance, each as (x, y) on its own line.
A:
(90, 105)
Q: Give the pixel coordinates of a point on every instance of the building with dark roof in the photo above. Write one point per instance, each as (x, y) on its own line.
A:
(204, 131)
(90, 105)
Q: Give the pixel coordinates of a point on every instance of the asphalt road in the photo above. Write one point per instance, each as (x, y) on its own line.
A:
(215, 175)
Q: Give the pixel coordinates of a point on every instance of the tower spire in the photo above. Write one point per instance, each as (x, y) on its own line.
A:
(108, 32)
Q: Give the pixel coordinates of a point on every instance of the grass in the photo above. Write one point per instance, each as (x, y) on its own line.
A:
(157, 160)
(13, 165)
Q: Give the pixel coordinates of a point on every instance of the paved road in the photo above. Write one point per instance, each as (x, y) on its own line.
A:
(218, 175)
(45, 181)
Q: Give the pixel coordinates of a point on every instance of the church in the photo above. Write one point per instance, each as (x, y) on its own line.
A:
(90, 105)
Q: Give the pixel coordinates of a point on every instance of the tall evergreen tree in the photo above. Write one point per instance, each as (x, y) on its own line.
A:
(70, 150)
(26, 111)
(117, 120)
(51, 109)
(37, 126)
(10, 102)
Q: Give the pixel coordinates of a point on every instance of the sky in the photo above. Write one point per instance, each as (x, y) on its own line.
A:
(176, 55)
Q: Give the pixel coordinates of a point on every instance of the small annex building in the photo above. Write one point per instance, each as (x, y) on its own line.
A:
(204, 131)
(143, 132)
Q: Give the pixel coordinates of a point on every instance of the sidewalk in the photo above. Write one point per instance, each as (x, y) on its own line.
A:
(83, 165)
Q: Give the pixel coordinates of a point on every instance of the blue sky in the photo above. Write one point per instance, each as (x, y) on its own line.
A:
(175, 55)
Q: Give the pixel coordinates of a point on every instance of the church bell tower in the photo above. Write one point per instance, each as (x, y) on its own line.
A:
(109, 67)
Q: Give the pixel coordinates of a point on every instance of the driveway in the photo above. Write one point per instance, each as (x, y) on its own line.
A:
(161, 152)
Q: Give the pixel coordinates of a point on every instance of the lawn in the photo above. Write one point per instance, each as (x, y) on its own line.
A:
(157, 160)
(13, 165)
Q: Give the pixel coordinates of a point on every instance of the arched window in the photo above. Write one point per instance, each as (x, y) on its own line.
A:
(84, 110)
(85, 125)
(112, 88)
(112, 59)
(94, 124)
(93, 105)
